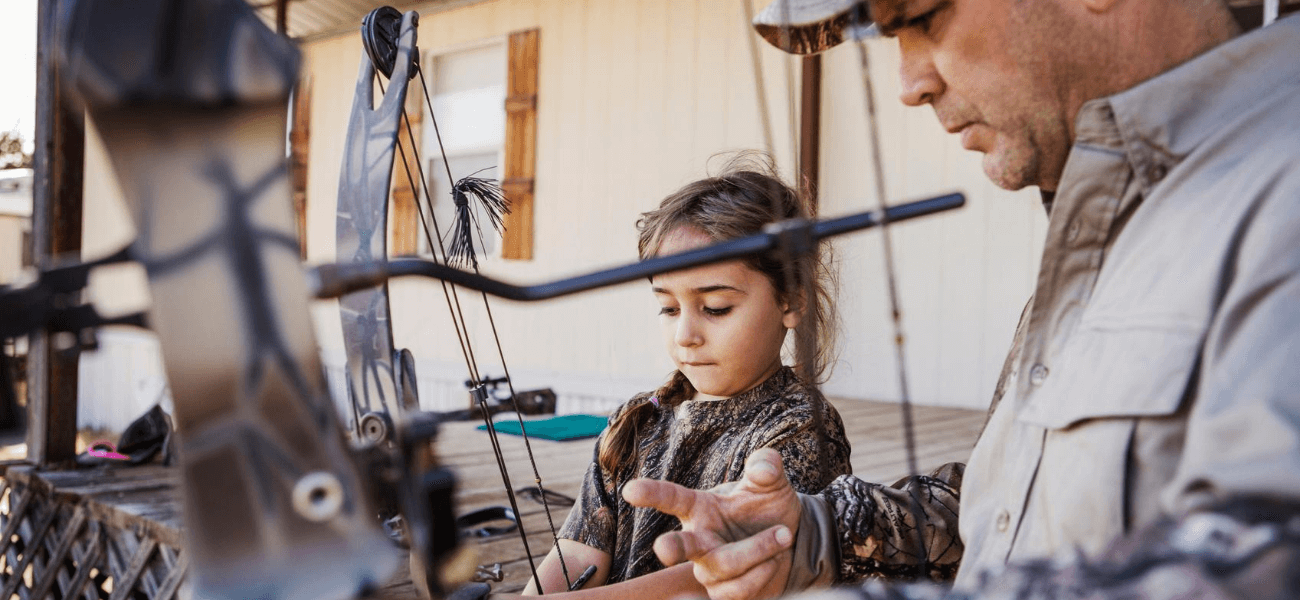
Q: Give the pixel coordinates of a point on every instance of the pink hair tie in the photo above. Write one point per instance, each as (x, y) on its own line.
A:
(655, 400)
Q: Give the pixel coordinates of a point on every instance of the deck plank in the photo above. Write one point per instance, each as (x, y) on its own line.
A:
(874, 430)
(146, 498)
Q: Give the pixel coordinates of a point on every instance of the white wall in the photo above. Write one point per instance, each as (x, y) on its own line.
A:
(124, 377)
(963, 276)
(11, 250)
(15, 218)
(634, 98)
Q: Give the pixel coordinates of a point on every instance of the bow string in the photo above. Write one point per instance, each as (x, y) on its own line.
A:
(389, 42)
(853, 20)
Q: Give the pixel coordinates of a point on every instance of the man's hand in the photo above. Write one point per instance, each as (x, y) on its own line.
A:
(738, 534)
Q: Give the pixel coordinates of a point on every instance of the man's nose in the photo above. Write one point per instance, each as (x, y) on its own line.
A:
(688, 334)
(921, 82)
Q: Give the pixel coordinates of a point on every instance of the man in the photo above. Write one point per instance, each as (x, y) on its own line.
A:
(1145, 435)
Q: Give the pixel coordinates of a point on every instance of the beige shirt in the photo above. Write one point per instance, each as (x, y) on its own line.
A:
(1157, 369)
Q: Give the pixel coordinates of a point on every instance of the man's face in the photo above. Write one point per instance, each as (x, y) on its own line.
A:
(996, 72)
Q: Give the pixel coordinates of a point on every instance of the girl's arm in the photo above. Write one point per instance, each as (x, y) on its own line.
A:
(663, 584)
(577, 557)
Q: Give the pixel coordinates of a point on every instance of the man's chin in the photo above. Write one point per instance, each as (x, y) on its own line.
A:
(1006, 174)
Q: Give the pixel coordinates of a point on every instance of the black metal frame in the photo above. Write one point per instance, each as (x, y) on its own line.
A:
(795, 236)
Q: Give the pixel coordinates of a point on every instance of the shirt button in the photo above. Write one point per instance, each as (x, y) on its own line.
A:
(1038, 374)
(1157, 172)
(1004, 520)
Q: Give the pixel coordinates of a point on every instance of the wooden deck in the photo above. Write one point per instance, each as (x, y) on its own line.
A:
(874, 429)
(144, 501)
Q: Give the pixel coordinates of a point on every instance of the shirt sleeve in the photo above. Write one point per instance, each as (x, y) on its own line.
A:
(882, 535)
(811, 458)
(593, 519)
(1248, 548)
(1243, 432)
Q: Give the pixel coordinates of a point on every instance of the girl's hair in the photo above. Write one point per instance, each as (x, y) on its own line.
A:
(740, 201)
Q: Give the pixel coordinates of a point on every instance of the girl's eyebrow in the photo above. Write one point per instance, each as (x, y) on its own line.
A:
(705, 290)
(719, 288)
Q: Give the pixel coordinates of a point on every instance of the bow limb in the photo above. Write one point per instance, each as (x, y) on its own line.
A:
(382, 390)
(375, 371)
(407, 58)
(361, 229)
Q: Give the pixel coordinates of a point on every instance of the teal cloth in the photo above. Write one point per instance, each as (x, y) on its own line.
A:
(567, 427)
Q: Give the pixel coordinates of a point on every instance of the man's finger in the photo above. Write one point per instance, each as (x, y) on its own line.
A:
(680, 546)
(663, 496)
(735, 560)
(746, 587)
(763, 468)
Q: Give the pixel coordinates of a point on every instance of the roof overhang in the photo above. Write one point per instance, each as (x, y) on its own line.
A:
(309, 20)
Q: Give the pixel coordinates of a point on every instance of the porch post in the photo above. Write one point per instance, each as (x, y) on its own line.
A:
(56, 233)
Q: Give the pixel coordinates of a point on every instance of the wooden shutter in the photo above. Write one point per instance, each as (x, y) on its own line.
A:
(299, 138)
(403, 215)
(520, 144)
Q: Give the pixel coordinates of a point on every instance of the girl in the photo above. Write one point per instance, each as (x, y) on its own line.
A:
(724, 326)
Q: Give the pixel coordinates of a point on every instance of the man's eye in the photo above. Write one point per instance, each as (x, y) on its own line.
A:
(716, 312)
(668, 310)
(922, 22)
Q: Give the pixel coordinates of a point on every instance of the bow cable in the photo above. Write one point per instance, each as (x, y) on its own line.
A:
(792, 252)
(759, 89)
(510, 383)
(860, 30)
(462, 329)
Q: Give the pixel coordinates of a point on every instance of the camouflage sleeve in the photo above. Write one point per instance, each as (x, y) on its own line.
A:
(878, 527)
(592, 520)
(812, 458)
(1249, 550)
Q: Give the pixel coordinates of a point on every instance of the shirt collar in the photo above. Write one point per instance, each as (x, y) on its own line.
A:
(774, 385)
(1160, 121)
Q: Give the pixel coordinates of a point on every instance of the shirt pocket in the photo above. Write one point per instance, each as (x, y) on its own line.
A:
(1111, 374)
(1117, 367)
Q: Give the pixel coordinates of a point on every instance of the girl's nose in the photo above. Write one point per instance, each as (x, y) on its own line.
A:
(688, 332)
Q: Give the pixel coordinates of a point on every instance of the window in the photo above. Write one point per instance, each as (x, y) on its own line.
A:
(468, 92)
(485, 99)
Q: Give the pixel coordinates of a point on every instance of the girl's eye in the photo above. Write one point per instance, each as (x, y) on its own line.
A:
(668, 310)
(716, 312)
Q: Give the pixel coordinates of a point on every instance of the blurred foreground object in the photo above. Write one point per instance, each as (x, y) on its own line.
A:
(191, 98)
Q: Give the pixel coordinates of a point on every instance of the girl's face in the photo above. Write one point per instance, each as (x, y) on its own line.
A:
(723, 323)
